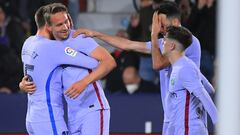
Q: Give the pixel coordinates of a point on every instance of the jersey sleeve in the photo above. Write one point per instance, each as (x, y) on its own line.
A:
(207, 85)
(160, 44)
(69, 56)
(191, 81)
(193, 52)
(85, 45)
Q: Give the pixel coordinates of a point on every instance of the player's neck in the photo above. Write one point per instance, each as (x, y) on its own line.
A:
(174, 56)
(43, 32)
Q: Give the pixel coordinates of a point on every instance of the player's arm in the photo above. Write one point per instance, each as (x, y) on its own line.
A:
(207, 85)
(159, 61)
(207, 102)
(107, 63)
(192, 82)
(69, 56)
(115, 41)
(27, 86)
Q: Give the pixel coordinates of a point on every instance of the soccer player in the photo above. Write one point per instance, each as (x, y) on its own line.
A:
(91, 106)
(187, 97)
(171, 14)
(89, 113)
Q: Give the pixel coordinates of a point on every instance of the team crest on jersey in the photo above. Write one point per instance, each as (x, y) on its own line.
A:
(172, 81)
(71, 52)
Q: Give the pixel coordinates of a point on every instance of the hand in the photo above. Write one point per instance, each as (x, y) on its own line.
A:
(86, 32)
(76, 89)
(26, 86)
(158, 23)
(163, 18)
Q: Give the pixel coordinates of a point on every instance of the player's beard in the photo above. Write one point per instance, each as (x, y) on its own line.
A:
(64, 34)
(61, 35)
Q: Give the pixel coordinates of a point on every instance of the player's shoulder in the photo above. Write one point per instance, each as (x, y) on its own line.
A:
(195, 40)
(194, 47)
(80, 38)
(29, 41)
(187, 64)
(187, 69)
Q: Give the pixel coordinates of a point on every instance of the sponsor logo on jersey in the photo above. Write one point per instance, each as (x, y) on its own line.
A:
(71, 52)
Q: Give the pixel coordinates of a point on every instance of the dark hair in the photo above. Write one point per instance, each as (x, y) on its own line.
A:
(180, 34)
(53, 9)
(39, 17)
(170, 9)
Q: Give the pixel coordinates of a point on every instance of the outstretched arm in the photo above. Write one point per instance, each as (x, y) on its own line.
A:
(115, 41)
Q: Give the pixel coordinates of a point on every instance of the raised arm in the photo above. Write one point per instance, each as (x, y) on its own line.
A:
(159, 61)
(115, 41)
(106, 64)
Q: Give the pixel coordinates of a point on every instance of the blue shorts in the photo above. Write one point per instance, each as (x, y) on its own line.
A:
(93, 123)
(46, 128)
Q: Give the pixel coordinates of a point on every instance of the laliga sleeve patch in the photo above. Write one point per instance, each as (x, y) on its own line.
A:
(71, 52)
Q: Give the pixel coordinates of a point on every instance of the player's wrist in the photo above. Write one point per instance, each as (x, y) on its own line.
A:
(86, 81)
(154, 34)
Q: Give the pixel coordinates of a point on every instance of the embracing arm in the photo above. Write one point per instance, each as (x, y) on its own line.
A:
(27, 86)
(107, 63)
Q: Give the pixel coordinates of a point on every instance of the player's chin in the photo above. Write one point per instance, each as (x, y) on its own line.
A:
(64, 35)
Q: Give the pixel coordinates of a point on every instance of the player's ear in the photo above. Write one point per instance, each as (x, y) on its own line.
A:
(48, 27)
(172, 45)
(175, 22)
(70, 20)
